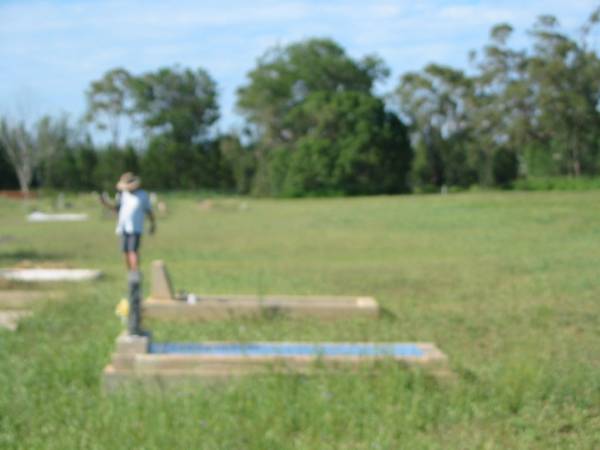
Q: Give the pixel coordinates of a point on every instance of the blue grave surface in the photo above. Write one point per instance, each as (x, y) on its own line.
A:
(288, 349)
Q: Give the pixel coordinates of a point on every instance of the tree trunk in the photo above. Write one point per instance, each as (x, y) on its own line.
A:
(24, 181)
(575, 156)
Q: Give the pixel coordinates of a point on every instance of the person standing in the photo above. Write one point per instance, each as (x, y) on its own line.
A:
(132, 206)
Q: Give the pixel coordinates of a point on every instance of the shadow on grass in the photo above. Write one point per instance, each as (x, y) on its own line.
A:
(387, 314)
(32, 255)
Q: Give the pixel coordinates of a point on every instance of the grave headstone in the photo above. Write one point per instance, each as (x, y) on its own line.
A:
(160, 282)
(60, 201)
(161, 207)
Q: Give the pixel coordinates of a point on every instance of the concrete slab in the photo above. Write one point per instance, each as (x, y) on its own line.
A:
(298, 355)
(10, 319)
(210, 361)
(218, 307)
(18, 299)
(38, 216)
(49, 275)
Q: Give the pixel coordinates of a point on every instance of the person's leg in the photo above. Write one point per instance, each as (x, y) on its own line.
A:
(125, 249)
(131, 244)
(132, 261)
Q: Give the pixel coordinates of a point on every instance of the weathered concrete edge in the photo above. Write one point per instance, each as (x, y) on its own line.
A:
(225, 307)
(19, 299)
(138, 367)
(10, 319)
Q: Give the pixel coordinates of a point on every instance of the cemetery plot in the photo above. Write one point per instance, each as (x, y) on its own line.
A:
(58, 217)
(50, 275)
(16, 299)
(137, 358)
(162, 304)
(10, 319)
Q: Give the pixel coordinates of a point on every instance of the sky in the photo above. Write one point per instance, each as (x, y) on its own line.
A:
(50, 51)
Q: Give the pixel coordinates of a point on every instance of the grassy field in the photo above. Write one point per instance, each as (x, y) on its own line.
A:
(506, 284)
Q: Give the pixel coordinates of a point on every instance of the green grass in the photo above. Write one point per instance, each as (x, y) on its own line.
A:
(506, 284)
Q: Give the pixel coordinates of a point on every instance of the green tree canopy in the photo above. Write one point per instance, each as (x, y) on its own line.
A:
(285, 76)
(348, 144)
(179, 102)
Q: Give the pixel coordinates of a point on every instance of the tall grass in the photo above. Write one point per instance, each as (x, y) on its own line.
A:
(505, 283)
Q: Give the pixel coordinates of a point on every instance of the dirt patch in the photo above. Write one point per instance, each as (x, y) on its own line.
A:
(17, 195)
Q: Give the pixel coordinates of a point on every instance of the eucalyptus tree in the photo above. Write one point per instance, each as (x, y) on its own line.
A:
(174, 108)
(110, 102)
(566, 80)
(176, 101)
(502, 110)
(177, 108)
(436, 104)
(28, 148)
(21, 151)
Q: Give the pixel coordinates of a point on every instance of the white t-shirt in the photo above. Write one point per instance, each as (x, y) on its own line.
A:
(133, 206)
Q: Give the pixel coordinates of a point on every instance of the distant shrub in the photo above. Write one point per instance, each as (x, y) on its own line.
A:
(557, 184)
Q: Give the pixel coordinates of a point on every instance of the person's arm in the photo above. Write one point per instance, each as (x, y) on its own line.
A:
(150, 215)
(104, 200)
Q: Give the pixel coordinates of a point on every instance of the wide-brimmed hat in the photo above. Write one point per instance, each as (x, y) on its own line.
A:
(129, 182)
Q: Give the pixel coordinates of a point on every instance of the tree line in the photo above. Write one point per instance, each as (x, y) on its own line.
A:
(314, 126)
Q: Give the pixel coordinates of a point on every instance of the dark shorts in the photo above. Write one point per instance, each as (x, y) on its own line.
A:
(130, 242)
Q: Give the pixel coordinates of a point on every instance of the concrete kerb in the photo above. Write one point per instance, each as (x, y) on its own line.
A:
(19, 299)
(10, 319)
(162, 304)
(138, 360)
(50, 275)
(135, 360)
(38, 217)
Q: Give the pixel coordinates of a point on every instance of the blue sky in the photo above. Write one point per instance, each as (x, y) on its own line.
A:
(50, 51)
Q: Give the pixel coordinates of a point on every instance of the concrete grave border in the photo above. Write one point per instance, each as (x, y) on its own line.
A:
(17, 299)
(162, 304)
(10, 319)
(49, 275)
(38, 217)
(135, 361)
